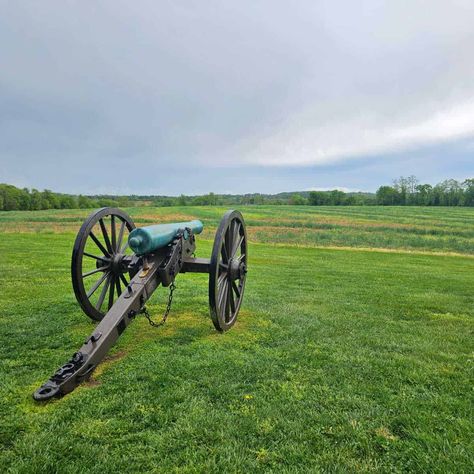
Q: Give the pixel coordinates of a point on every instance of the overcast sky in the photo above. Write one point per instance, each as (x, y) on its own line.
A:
(170, 97)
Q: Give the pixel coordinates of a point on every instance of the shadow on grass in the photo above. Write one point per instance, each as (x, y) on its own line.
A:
(185, 329)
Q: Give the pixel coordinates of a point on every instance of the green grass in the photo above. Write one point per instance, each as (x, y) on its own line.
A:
(341, 360)
(412, 228)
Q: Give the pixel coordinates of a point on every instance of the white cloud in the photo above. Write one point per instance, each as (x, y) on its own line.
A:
(119, 86)
(300, 143)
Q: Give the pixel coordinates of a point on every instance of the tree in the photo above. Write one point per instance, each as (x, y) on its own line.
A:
(104, 202)
(438, 195)
(49, 200)
(14, 198)
(317, 198)
(24, 199)
(468, 185)
(35, 200)
(297, 200)
(406, 188)
(450, 193)
(387, 196)
(83, 202)
(424, 195)
(212, 199)
(67, 202)
(205, 200)
(122, 201)
(257, 199)
(350, 200)
(336, 197)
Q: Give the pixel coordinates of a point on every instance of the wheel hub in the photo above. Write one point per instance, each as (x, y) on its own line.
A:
(237, 269)
(102, 262)
(116, 263)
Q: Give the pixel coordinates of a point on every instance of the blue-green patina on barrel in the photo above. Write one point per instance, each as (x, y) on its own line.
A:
(147, 239)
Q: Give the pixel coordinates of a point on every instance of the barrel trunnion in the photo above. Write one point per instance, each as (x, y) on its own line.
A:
(160, 252)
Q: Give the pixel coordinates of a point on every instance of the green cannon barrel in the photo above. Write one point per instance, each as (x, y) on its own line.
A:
(147, 239)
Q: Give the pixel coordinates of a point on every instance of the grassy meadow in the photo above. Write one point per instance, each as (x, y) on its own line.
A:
(353, 351)
(432, 229)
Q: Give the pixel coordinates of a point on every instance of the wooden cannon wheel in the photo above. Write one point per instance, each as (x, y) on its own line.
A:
(228, 270)
(97, 269)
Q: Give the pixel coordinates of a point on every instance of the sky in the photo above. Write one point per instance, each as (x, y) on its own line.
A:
(171, 97)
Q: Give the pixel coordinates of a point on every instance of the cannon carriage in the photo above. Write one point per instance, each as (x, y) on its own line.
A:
(116, 267)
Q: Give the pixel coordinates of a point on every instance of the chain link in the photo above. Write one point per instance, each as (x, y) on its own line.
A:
(167, 311)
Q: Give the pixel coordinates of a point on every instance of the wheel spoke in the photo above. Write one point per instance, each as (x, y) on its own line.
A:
(224, 253)
(111, 291)
(96, 270)
(98, 243)
(236, 289)
(226, 304)
(97, 284)
(94, 256)
(117, 284)
(120, 236)
(237, 246)
(221, 278)
(235, 233)
(222, 294)
(100, 301)
(124, 280)
(231, 301)
(122, 250)
(106, 236)
(228, 240)
(241, 257)
(113, 231)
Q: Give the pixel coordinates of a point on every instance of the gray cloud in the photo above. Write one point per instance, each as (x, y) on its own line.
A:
(122, 87)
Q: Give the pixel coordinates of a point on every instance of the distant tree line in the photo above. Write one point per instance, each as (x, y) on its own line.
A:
(410, 192)
(403, 192)
(13, 198)
(339, 198)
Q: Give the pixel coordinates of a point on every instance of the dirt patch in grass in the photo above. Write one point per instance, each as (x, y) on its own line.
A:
(343, 222)
(384, 432)
(39, 227)
(113, 357)
(107, 362)
(164, 217)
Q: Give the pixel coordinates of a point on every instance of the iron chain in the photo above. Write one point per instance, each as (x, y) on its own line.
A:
(167, 311)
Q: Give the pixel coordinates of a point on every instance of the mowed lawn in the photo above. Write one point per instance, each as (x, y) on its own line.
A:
(342, 360)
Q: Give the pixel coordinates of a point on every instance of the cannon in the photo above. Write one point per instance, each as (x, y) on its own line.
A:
(116, 267)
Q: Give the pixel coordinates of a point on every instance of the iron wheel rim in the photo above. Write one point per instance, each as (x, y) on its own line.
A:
(228, 271)
(110, 248)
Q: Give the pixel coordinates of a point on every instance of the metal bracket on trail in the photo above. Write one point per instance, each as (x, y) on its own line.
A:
(126, 281)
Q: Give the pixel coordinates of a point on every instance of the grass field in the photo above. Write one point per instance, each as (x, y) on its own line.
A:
(415, 228)
(343, 359)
